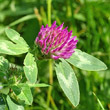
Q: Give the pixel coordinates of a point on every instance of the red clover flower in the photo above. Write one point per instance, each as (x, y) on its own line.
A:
(56, 42)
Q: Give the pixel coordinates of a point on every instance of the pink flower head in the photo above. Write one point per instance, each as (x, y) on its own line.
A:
(56, 42)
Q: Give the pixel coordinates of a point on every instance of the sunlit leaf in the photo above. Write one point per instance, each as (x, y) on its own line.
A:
(9, 48)
(18, 46)
(4, 90)
(85, 61)
(30, 68)
(68, 81)
(12, 105)
(15, 37)
(23, 92)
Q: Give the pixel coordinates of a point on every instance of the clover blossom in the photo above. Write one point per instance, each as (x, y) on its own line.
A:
(56, 42)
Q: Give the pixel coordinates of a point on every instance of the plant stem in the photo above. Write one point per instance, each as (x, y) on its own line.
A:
(50, 60)
(51, 81)
(49, 11)
(53, 103)
(51, 71)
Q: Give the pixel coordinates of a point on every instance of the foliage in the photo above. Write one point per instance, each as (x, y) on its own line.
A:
(90, 22)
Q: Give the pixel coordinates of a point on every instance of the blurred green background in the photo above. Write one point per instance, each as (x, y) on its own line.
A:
(90, 22)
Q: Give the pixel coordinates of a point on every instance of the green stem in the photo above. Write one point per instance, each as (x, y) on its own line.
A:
(50, 61)
(51, 71)
(49, 11)
(51, 81)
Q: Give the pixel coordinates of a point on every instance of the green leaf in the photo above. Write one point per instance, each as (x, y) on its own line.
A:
(15, 37)
(85, 61)
(12, 34)
(4, 65)
(80, 17)
(2, 103)
(9, 48)
(39, 85)
(12, 105)
(16, 89)
(18, 46)
(23, 92)
(4, 90)
(99, 101)
(24, 18)
(68, 81)
(30, 68)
